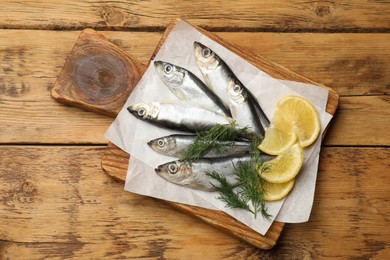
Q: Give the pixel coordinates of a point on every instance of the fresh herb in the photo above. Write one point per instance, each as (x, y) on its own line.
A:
(227, 132)
(227, 194)
(218, 138)
(250, 185)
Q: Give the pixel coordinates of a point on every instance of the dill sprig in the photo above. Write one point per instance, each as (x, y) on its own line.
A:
(218, 138)
(227, 132)
(226, 192)
(250, 188)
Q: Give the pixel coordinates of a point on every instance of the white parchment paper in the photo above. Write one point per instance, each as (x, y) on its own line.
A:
(131, 134)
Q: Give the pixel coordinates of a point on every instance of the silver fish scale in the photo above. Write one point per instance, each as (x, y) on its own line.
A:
(192, 87)
(176, 145)
(188, 87)
(243, 110)
(187, 116)
(217, 80)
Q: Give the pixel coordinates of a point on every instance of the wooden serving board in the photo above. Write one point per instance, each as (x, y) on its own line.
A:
(98, 76)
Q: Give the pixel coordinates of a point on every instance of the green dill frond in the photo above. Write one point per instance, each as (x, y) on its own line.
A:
(228, 132)
(195, 150)
(255, 152)
(264, 212)
(250, 189)
(226, 192)
(218, 138)
(251, 186)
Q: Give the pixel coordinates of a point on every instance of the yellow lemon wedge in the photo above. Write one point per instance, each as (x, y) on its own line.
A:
(296, 114)
(277, 141)
(284, 167)
(277, 191)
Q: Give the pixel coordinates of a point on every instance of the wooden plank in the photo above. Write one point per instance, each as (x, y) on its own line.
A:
(297, 15)
(353, 64)
(360, 119)
(356, 123)
(31, 60)
(65, 184)
(345, 61)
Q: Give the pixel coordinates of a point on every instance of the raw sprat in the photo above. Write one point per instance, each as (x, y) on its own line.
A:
(224, 83)
(177, 145)
(182, 116)
(226, 121)
(188, 87)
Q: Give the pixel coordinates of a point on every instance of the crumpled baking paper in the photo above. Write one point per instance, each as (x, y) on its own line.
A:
(132, 134)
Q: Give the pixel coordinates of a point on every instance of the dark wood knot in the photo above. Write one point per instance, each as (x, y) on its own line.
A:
(113, 16)
(322, 10)
(28, 189)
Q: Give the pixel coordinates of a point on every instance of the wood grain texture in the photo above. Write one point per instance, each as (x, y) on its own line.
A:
(97, 76)
(353, 64)
(297, 15)
(353, 122)
(75, 210)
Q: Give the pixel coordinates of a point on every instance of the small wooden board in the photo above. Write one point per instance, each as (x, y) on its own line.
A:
(98, 76)
(77, 90)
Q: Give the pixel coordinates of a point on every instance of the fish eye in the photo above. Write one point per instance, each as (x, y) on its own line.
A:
(168, 68)
(172, 168)
(237, 88)
(206, 52)
(141, 111)
(160, 143)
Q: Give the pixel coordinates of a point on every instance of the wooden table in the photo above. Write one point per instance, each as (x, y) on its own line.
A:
(57, 202)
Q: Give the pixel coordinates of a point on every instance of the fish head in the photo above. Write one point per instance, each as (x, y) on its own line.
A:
(163, 145)
(206, 59)
(236, 92)
(170, 74)
(176, 172)
(144, 110)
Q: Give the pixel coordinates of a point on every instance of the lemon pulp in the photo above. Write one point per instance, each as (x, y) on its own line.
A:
(284, 167)
(277, 191)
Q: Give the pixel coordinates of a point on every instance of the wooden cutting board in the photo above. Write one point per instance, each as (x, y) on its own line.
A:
(98, 76)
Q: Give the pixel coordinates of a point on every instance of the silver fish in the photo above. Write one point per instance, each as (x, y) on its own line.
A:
(188, 87)
(176, 145)
(195, 176)
(242, 108)
(178, 115)
(218, 75)
(215, 72)
(259, 111)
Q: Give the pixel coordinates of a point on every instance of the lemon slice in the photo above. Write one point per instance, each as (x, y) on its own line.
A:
(277, 141)
(284, 167)
(298, 115)
(277, 191)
